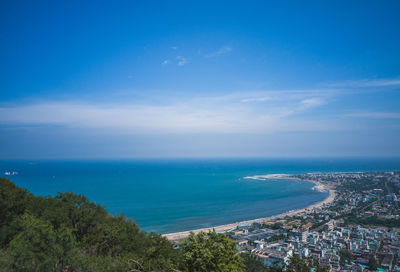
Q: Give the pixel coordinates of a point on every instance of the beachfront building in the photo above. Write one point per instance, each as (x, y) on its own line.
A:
(273, 257)
(324, 234)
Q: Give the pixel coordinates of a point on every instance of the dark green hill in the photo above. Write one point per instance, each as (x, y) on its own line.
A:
(69, 233)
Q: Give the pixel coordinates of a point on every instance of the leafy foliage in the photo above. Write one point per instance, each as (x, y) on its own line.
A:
(211, 252)
(301, 265)
(372, 264)
(373, 221)
(14, 202)
(253, 264)
(40, 248)
(69, 233)
(345, 256)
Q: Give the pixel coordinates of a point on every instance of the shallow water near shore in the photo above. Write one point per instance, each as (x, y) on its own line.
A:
(176, 195)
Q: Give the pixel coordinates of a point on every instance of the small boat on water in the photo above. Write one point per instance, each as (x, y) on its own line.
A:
(11, 173)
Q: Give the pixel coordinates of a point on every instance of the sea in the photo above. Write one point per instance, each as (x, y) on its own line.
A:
(172, 195)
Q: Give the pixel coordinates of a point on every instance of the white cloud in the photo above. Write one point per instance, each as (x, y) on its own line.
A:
(174, 47)
(215, 114)
(312, 102)
(384, 82)
(256, 99)
(182, 61)
(165, 62)
(375, 115)
(223, 50)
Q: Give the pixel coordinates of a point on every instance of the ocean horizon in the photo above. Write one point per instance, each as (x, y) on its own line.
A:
(173, 195)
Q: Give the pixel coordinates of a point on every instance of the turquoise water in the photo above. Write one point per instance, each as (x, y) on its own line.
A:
(176, 195)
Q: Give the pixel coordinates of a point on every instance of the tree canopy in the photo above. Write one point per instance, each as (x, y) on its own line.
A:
(211, 252)
(69, 233)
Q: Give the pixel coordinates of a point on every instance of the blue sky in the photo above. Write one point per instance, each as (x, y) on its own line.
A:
(122, 79)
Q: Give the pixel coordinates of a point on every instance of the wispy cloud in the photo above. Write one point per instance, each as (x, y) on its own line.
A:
(223, 50)
(255, 99)
(214, 114)
(312, 102)
(182, 61)
(385, 82)
(304, 98)
(375, 115)
(165, 62)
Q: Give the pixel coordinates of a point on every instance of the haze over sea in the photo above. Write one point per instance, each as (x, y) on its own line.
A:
(182, 194)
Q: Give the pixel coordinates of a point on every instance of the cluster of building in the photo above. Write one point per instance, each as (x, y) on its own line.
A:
(358, 231)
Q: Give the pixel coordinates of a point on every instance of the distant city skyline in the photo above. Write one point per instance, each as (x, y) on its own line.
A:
(132, 79)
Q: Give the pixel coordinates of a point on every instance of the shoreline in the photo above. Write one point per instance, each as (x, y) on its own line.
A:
(222, 228)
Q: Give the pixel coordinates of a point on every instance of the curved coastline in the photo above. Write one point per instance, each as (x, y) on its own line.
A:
(223, 228)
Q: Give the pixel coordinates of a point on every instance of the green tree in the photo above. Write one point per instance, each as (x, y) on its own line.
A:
(13, 203)
(372, 264)
(276, 225)
(40, 248)
(82, 214)
(302, 265)
(297, 265)
(113, 237)
(253, 264)
(121, 240)
(211, 252)
(345, 256)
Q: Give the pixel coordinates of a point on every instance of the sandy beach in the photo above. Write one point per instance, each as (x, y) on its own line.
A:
(222, 228)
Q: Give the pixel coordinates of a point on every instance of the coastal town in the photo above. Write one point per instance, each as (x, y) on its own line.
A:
(357, 229)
